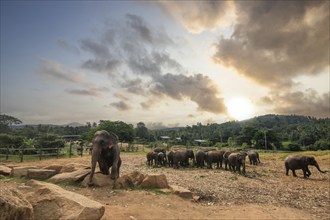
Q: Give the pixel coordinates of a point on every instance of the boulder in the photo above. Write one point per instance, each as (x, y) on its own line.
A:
(40, 173)
(75, 176)
(55, 167)
(50, 201)
(182, 192)
(5, 170)
(67, 168)
(13, 205)
(154, 181)
(99, 179)
(21, 171)
(133, 179)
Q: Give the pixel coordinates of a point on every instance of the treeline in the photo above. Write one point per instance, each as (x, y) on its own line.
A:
(286, 132)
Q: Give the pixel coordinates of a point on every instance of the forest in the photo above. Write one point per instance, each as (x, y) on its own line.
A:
(268, 132)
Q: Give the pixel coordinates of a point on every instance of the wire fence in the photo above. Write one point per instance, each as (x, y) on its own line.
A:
(21, 154)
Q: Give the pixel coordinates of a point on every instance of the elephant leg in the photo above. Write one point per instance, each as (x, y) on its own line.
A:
(104, 168)
(294, 173)
(218, 167)
(308, 172)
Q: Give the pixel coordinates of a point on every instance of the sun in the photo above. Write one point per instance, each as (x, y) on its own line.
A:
(239, 108)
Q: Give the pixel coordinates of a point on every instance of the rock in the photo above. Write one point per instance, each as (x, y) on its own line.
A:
(99, 179)
(13, 205)
(57, 168)
(50, 201)
(75, 176)
(154, 181)
(20, 171)
(5, 170)
(40, 173)
(133, 179)
(182, 192)
(67, 168)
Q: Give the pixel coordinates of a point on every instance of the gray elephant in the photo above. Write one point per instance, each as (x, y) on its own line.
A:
(225, 158)
(182, 157)
(161, 161)
(296, 162)
(107, 153)
(152, 157)
(236, 161)
(170, 158)
(253, 157)
(214, 156)
(200, 158)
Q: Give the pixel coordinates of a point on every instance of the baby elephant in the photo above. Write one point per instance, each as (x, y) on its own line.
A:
(253, 157)
(300, 162)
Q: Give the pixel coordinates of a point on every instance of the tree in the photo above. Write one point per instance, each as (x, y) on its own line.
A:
(125, 132)
(141, 131)
(6, 121)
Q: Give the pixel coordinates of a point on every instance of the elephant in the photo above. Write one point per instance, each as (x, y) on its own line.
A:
(253, 157)
(225, 158)
(182, 156)
(296, 162)
(200, 158)
(214, 156)
(161, 159)
(236, 161)
(151, 158)
(107, 153)
(170, 158)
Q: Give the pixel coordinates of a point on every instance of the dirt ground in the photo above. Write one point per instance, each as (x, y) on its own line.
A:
(264, 193)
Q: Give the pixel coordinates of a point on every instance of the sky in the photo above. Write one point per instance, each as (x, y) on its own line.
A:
(164, 63)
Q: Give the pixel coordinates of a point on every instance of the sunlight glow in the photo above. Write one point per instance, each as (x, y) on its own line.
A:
(239, 108)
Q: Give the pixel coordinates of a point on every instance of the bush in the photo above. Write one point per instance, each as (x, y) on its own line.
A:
(294, 147)
(321, 145)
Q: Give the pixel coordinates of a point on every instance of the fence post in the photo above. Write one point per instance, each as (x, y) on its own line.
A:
(7, 154)
(21, 152)
(40, 153)
(70, 149)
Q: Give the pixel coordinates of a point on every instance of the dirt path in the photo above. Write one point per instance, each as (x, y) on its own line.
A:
(265, 193)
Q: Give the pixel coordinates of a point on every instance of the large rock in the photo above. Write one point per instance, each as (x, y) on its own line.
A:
(21, 171)
(75, 176)
(55, 167)
(40, 173)
(5, 170)
(99, 179)
(13, 205)
(182, 192)
(67, 168)
(50, 201)
(133, 179)
(154, 181)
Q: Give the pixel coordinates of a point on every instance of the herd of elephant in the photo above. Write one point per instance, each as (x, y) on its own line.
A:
(235, 161)
(106, 153)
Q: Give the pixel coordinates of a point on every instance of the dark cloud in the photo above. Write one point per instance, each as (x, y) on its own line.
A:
(275, 41)
(121, 105)
(84, 92)
(197, 88)
(308, 102)
(53, 70)
(137, 49)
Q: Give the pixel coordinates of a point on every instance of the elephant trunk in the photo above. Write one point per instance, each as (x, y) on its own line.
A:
(95, 157)
(317, 166)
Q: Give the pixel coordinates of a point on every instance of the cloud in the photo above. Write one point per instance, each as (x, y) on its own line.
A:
(197, 88)
(308, 102)
(66, 46)
(109, 66)
(121, 105)
(275, 41)
(84, 92)
(56, 71)
(197, 16)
